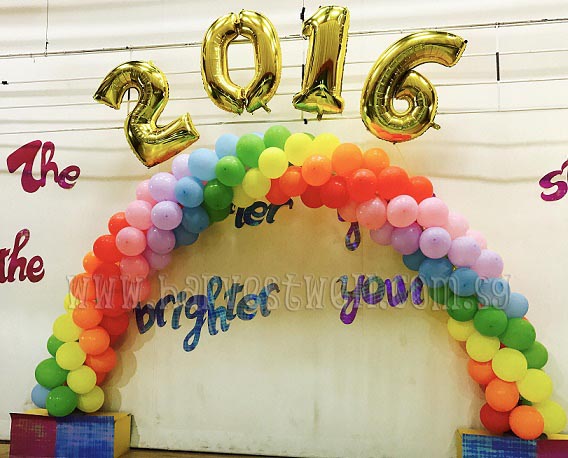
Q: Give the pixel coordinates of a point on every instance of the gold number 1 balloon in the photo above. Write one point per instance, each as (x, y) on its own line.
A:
(151, 144)
(327, 30)
(392, 78)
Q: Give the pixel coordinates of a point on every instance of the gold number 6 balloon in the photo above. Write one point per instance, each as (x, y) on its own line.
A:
(151, 144)
(392, 78)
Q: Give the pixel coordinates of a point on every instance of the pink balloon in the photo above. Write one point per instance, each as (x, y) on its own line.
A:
(180, 167)
(402, 211)
(166, 215)
(435, 242)
(349, 211)
(143, 192)
(464, 252)
(160, 241)
(162, 187)
(433, 212)
(489, 264)
(383, 235)
(457, 225)
(406, 240)
(138, 214)
(134, 267)
(157, 261)
(372, 214)
(479, 237)
(130, 241)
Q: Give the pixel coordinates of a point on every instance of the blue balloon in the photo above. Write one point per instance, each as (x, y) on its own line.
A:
(202, 163)
(39, 396)
(413, 261)
(183, 237)
(226, 145)
(195, 220)
(517, 307)
(189, 192)
(259, 134)
(493, 291)
(463, 281)
(435, 272)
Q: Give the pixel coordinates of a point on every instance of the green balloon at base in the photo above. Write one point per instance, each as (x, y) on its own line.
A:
(61, 401)
(216, 195)
(216, 215)
(49, 374)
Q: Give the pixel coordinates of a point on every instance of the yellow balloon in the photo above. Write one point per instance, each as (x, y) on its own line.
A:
(460, 330)
(240, 198)
(482, 348)
(509, 364)
(65, 329)
(554, 416)
(297, 148)
(255, 184)
(324, 145)
(82, 380)
(70, 302)
(536, 386)
(151, 144)
(392, 77)
(91, 401)
(70, 356)
(272, 162)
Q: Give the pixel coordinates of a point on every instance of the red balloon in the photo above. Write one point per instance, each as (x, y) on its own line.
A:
(105, 249)
(117, 222)
(115, 326)
(495, 422)
(275, 195)
(362, 185)
(334, 193)
(104, 362)
(83, 288)
(421, 188)
(311, 197)
(101, 376)
(393, 181)
(292, 182)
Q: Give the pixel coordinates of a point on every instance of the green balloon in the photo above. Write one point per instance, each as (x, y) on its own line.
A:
(49, 374)
(520, 334)
(61, 401)
(249, 148)
(537, 356)
(490, 321)
(217, 215)
(230, 171)
(53, 344)
(440, 295)
(216, 195)
(462, 308)
(276, 136)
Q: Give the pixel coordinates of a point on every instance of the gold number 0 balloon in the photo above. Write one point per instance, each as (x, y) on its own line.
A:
(392, 78)
(267, 58)
(150, 143)
(323, 74)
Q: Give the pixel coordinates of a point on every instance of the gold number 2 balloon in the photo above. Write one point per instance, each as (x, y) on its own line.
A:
(392, 78)
(151, 144)
(327, 30)
(267, 61)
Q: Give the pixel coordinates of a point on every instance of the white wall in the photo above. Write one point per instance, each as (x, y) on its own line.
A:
(295, 383)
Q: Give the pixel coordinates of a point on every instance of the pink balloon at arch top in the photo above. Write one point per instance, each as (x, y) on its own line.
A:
(433, 212)
(162, 187)
(457, 225)
(435, 242)
(157, 261)
(349, 211)
(138, 214)
(382, 235)
(180, 166)
(402, 211)
(478, 236)
(372, 214)
(143, 192)
(161, 241)
(489, 264)
(130, 241)
(406, 240)
(464, 252)
(134, 267)
(166, 215)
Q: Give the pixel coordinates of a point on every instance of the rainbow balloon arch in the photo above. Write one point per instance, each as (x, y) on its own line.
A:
(172, 209)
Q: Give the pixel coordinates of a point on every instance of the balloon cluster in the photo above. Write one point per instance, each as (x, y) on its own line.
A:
(172, 209)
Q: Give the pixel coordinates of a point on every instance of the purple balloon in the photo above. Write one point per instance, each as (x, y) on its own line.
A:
(166, 215)
(435, 242)
(160, 241)
(157, 261)
(162, 187)
(464, 252)
(489, 264)
(405, 240)
(180, 167)
(383, 235)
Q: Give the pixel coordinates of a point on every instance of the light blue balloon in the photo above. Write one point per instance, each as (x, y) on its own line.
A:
(414, 260)
(189, 192)
(39, 396)
(226, 145)
(435, 272)
(202, 163)
(493, 291)
(463, 281)
(259, 134)
(195, 220)
(517, 307)
(183, 237)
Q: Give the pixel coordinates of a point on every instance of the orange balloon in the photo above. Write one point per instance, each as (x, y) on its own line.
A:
(316, 170)
(346, 158)
(94, 341)
(86, 315)
(421, 188)
(502, 396)
(393, 181)
(482, 373)
(292, 183)
(104, 362)
(91, 262)
(526, 422)
(375, 159)
(83, 288)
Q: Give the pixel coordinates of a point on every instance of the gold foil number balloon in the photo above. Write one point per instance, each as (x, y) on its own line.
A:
(392, 78)
(150, 143)
(327, 30)
(267, 58)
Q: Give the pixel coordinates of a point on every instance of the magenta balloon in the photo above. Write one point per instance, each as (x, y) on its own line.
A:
(372, 214)
(349, 211)
(162, 187)
(143, 192)
(479, 237)
(157, 261)
(166, 215)
(180, 167)
(383, 235)
(489, 264)
(457, 225)
(406, 240)
(464, 252)
(134, 267)
(433, 212)
(160, 241)
(130, 241)
(138, 214)
(402, 211)
(435, 242)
